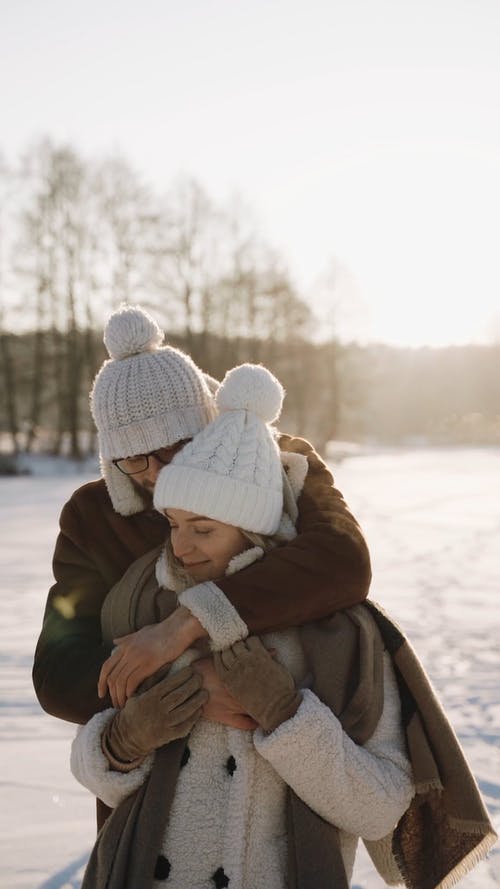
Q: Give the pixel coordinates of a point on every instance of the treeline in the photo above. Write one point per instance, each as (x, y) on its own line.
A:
(441, 396)
(372, 394)
(78, 238)
(40, 411)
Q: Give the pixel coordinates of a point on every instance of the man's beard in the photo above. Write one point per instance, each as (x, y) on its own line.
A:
(145, 492)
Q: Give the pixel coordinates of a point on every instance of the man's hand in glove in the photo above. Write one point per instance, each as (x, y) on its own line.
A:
(264, 688)
(167, 711)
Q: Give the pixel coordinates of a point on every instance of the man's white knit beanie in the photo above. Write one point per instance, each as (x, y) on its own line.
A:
(146, 396)
(231, 471)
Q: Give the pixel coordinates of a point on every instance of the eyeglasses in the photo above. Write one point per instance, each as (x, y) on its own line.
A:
(140, 462)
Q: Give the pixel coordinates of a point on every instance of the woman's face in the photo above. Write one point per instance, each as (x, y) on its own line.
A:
(204, 546)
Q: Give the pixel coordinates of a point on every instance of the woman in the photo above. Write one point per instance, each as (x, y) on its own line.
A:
(281, 804)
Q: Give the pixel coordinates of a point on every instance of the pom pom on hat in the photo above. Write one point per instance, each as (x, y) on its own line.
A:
(131, 331)
(251, 387)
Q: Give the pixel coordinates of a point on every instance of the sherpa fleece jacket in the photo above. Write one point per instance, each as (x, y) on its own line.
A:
(324, 569)
(227, 820)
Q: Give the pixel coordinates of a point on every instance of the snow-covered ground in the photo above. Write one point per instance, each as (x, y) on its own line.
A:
(432, 518)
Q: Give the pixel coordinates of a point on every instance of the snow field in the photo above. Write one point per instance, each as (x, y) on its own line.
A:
(432, 520)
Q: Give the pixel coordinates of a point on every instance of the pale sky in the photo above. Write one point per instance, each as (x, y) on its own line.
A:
(364, 132)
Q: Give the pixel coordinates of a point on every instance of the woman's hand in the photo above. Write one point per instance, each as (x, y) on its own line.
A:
(140, 654)
(264, 688)
(221, 705)
(167, 711)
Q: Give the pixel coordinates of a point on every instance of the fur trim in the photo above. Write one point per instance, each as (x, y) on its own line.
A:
(215, 613)
(296, 468)
(169, 572)
(91, 768)
(124, 497)
(244, 559)
(294, 471)
(287, 530)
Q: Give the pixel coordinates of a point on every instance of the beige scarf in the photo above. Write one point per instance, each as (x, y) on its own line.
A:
(446, 829)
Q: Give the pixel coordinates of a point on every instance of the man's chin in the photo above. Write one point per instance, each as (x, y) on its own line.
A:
(145, 493)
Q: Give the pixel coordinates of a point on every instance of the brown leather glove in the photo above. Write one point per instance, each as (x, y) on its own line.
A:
(265, 689)
(167, 711)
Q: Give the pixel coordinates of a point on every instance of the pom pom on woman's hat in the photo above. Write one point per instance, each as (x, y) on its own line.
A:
(251, 387)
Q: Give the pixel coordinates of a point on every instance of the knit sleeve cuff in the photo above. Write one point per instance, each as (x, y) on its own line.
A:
(215, 613)
(92, 769)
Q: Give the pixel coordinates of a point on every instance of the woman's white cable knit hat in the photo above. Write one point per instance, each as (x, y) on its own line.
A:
(146, 396)
(231, 471)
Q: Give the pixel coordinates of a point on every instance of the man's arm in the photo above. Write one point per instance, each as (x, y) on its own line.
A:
(94, 549)
(69, 652)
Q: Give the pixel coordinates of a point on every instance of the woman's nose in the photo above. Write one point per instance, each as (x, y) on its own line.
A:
(182, 543)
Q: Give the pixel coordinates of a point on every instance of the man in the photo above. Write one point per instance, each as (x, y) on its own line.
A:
(147, 400)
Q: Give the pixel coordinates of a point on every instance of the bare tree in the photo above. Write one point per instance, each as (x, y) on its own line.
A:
(125, 222)
(10, 388)
(7, 364)
(185, 258)
(54, 232)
